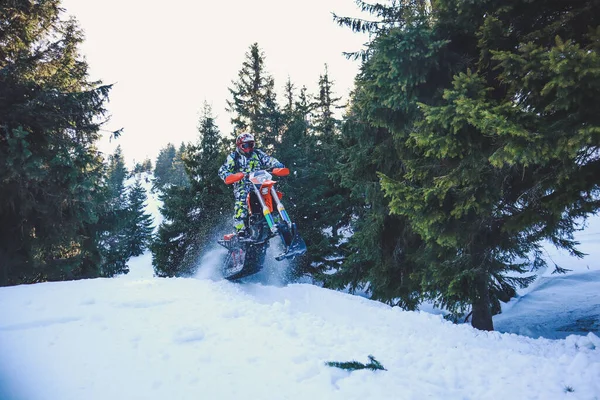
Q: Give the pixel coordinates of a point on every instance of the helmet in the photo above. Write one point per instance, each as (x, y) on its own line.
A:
(245, 143)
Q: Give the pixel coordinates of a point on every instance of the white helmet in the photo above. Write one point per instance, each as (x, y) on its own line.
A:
(245, 143)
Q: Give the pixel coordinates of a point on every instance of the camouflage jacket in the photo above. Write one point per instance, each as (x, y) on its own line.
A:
(239, 163)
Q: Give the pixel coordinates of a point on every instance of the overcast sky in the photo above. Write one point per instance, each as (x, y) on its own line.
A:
(166, 58)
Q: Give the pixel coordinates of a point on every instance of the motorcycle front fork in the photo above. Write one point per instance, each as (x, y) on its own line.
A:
(267, 212)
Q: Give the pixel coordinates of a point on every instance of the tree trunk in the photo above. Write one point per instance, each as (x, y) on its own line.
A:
(482, 314)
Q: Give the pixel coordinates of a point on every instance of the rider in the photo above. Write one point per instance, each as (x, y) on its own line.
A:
(246, 158)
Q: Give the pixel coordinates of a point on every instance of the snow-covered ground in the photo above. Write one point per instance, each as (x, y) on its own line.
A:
(150, 338)
(557, 305)
(141, 337)
(555, 308)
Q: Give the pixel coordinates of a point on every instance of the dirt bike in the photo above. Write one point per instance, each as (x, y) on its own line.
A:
(246, 254)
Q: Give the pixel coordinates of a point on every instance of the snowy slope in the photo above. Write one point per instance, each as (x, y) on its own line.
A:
(141, 337)
(132, 338)
(556, 305)
(589, 243)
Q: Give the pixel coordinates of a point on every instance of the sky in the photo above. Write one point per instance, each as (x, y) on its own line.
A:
(166, 59)
(137, 337)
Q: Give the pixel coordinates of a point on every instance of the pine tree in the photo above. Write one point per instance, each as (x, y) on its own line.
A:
(163, 166)
(114, 220)
(290, 98)
(147, 165)
(173, 243)
(214, 199)
(139, 223)
(254, 105)
(117, 172)
(272, 124)
(193, 213)
(325, 121)
(382, 253)
(178, 174)
(294, 151)
(489, 109)
(327, 202)
(50, 171)
(316, 201)
(140, 167)
(170, 169)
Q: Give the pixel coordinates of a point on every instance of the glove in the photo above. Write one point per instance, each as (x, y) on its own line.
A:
(232, 178)
(278, 165)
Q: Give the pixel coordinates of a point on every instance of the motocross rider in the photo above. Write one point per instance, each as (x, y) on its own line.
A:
(246, 158)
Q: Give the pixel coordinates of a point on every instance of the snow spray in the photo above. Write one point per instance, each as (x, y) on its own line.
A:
(209, 264)
(274, 273)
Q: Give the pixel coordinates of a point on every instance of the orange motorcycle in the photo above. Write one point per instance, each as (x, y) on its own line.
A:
(246, 255)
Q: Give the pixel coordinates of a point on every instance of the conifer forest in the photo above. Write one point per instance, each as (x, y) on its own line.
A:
(471, 136)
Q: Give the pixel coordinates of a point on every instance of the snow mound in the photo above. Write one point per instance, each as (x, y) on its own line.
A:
(152, 338)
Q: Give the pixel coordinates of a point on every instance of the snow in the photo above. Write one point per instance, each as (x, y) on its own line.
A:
(141, 337)
(151, 338)
(589, 243)
(558, 306)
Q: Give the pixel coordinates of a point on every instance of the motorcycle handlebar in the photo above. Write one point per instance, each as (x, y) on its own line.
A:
(281, 171)
(233, 178)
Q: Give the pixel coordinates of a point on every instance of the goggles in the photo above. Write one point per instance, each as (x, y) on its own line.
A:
(248, 145)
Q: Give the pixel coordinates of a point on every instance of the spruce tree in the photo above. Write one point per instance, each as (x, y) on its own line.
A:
(163, 167)
(327, 206)
(140, 167)
(382, 252)
(317, 202)
(117, 172)
(253, 104)
(172, 246)
(272, 121)
(50, 171)
(147, 165)
(489, 108)
(290, 98)
(115, 219)
(139, 223)
(325, 105)
(178, 174)
(294, 151)
(193, 214)
(169, 169)
(215, 200)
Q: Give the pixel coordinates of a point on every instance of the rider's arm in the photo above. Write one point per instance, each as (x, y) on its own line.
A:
(227, 168)
(268, 161)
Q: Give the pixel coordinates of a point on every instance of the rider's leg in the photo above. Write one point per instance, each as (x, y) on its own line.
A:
(240, 210)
